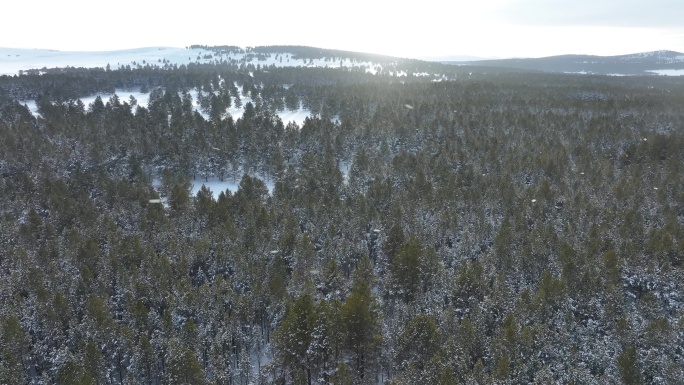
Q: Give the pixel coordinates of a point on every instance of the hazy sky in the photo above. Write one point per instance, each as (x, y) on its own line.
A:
(427, 28)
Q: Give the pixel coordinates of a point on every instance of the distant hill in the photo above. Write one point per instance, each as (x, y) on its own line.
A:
(15, 61)
(633, 64)
(36, 61)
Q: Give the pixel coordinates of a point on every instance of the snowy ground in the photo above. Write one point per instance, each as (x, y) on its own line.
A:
(217, 186)
(286, 116)
(214, 184)
(297, 116)
(124, 96)
(14, 60)
(668, 72)
(32, 106)
(344, 168)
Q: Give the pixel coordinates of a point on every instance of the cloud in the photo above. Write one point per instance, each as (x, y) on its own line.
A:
(603, 13)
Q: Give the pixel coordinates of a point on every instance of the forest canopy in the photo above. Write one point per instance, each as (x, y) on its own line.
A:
(479, 226)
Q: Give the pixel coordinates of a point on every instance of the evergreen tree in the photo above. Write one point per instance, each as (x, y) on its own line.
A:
(419, 342)
(405, 269)
(628, 365)
(294, 337)
(361, 324)
(184, 369)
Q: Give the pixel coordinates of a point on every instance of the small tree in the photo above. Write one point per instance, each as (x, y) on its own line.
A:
(628, 365)
(72, 373)
(405, 268)
(419, 342)
(361, 325)
(294, 336)
(393, 243)
(184, 369)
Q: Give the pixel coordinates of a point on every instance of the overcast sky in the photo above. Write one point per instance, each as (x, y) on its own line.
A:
(427, 28)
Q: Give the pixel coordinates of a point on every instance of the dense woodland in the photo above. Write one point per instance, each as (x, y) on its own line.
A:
(496, 227)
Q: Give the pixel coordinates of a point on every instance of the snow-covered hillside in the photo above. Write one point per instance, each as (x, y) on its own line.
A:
(14, 61)
(662, 55)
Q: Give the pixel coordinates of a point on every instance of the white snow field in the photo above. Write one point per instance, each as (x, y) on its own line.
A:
(15, 60)
(668, 72)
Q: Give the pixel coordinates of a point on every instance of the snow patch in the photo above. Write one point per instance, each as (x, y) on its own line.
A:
(668, 72)
(296, 116)
(143, 99)
(217, 186)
